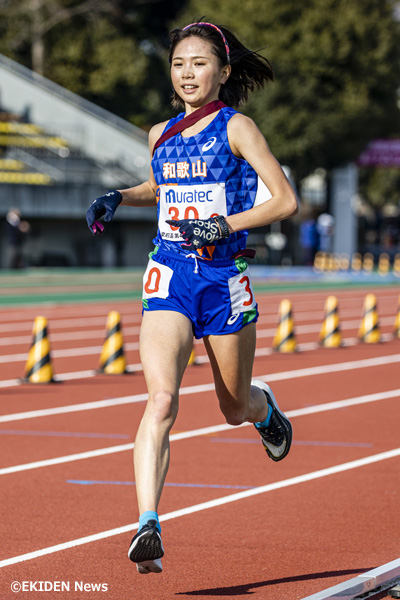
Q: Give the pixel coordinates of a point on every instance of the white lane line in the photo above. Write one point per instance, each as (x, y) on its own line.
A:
(66, 353)
(269, 304)
(67, 337)
(261, 333)
(200, 359)
(68, 322)
(368, 460)
(207, 387)
(199, 432)
(59, 410)
(54, 324)
(332, 368)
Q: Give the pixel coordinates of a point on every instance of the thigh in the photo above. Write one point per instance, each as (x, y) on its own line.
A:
(231, 358)
(166, 339)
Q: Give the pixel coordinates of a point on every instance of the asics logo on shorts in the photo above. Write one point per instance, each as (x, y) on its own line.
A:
(209, 144)
(233, 318)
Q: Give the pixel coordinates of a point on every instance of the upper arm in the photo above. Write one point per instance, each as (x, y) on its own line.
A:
(247, 142)
(154, 134)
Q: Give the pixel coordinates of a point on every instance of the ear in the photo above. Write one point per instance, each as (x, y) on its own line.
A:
(226, 71)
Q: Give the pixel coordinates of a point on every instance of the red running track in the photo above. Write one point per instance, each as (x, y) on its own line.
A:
(236, 523)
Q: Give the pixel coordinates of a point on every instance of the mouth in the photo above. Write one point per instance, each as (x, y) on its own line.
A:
(188, 87)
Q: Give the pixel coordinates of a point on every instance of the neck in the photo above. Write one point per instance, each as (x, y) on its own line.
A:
(189, 109)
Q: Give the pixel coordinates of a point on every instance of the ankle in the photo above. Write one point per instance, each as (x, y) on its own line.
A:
(147, 516)
(266, 421)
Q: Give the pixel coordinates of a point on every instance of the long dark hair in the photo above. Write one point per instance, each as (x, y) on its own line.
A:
(250, 70)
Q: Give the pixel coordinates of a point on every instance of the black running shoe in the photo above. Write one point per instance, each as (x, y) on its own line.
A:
(146, 549)
(277, 436)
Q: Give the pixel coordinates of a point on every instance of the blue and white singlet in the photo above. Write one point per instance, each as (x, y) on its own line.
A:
(198, 177)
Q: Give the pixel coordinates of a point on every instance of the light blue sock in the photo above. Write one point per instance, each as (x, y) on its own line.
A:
(146, 516)
(266, 421)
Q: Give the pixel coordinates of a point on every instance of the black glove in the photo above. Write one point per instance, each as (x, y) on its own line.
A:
(198, 233)
(103, 206)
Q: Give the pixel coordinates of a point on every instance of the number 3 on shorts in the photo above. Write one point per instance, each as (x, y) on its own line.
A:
(241, 293)
(156, 280)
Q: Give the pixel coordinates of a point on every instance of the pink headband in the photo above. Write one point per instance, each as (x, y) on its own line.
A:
(220, 33)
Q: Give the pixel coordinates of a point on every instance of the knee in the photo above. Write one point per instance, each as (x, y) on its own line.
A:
(163, 407)
(234, 409)
(235, 418)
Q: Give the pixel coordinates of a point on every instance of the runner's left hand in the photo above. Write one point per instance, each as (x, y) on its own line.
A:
(197, 233)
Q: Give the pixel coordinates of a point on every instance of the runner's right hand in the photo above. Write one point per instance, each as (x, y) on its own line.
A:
(103, 206)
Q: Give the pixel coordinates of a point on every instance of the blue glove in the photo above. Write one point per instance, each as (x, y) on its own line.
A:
(198, 233)
(103, 206)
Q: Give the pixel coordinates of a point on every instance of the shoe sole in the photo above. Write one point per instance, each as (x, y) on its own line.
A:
(149, 566)
(288, 426)
(146, 548)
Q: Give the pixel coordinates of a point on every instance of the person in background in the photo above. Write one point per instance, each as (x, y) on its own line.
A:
(325, 228)
(16, 231)
(309, 239)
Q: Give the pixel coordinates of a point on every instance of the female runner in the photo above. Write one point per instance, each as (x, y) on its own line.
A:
(205, 175)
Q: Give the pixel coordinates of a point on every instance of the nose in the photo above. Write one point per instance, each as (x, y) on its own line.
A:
(187, 72)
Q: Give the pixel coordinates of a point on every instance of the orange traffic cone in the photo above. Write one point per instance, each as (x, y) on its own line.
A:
(369, 329)
(330, 336)
(38, 367)
(284, 340)
(112, 358)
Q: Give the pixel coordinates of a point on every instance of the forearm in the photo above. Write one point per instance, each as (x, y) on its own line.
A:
(140, 195)
(275, 209)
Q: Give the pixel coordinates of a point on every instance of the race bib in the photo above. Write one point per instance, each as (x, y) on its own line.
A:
(156, 280)
(189, 202)
(241, 292)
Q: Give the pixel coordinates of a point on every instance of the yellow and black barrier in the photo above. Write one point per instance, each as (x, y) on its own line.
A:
(384, 264)
(344, 262)
(368, 262)
(192, 358)
(369, 330)
(397, 322)
(285, 340)
(330, 336)
(112, 358)
(320, 262)
(38, 367)
(356, 262)
(396, 265)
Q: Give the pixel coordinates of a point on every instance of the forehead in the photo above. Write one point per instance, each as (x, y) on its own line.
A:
(193, 46)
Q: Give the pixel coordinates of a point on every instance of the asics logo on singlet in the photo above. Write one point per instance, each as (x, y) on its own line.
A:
(233, 318)
(188, 197)
(209, 144)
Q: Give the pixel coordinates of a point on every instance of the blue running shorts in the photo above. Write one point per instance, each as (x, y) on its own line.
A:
(216, 296)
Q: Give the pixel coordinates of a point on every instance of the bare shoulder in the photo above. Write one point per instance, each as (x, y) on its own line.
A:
(243, 132)
(238, 121)
(156, 132)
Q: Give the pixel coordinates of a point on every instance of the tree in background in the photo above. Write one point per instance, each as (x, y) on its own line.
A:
(337, 73)
(336, 63)
(112, 52)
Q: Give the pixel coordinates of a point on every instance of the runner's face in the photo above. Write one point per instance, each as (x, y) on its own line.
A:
(196, 73)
